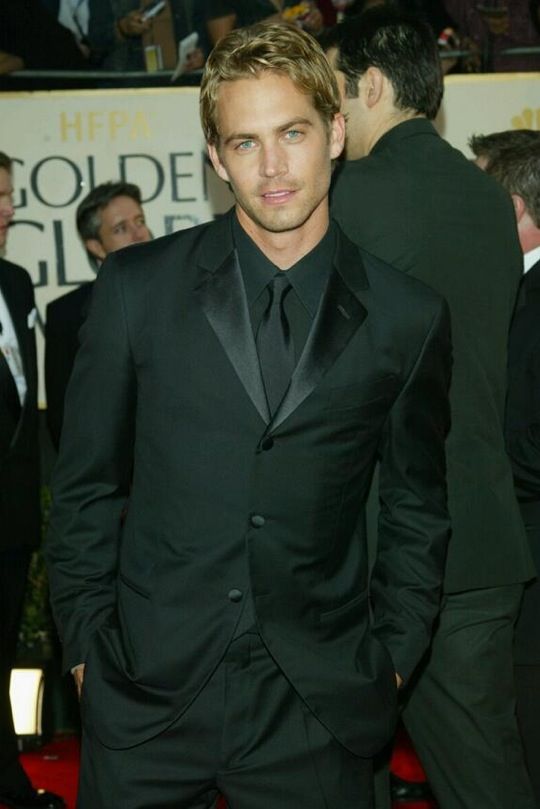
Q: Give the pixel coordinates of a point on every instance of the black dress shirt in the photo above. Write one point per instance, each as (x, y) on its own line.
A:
(308, 278)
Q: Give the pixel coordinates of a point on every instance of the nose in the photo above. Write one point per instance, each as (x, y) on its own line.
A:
(273, 161)
(6, 209)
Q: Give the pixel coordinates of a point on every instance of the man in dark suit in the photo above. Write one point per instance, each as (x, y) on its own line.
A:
(410, 199)
(207, 549)
(19, 488)
(517, 168)
(109, 217)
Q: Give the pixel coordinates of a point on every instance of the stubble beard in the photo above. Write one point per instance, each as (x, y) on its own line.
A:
(281, 219)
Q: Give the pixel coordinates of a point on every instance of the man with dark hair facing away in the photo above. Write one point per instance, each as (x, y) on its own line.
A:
(412, 200)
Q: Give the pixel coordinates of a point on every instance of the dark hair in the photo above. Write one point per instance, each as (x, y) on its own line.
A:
(88, 216)
(5, 162)
(491, 146)
(518, 170)
(402, 47)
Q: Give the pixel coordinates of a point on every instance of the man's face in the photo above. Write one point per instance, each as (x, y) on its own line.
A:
(354, 112)
(275, 151)
(122, 223)
(6, 205)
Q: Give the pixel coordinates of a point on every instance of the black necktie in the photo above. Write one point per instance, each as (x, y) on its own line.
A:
(274, 343)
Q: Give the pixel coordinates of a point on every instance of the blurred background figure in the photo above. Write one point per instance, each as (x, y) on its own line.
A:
(31, 38)
(108, 218)
(494, 25)
(20, 519)
(119, 31)
(224, 15)
(73, 15)
(513, 158)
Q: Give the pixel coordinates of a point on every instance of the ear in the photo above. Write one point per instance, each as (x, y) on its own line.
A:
(372, 84)
(95, 248)
(219, 168)
(337, 135)
(519, 207)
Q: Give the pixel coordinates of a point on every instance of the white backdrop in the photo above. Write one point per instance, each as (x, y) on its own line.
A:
(64, 143)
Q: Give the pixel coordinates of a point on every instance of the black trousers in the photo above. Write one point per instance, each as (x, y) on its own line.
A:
(13, 572)
(247, 735)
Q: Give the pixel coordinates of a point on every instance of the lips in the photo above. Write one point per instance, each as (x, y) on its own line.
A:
(279, 196)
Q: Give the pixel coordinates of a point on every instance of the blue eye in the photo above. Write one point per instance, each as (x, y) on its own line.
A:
(293, 134)
(245, 145)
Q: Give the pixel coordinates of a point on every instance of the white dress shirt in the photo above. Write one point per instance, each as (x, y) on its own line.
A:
(531, 258)
(9, 346)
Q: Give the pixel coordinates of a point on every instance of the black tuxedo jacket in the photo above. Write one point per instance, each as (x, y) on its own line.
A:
(523, 442)
(65, 317)
(420, 205)
(166, 412)
(19, 448)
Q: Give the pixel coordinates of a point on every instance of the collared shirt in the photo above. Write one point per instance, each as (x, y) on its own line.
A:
(308, 278)
(74, 14)
(9, 346)
(531, 258)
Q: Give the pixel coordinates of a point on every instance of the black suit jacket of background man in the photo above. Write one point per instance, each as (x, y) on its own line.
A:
(65, 316)
(19, 449)
(523, 442)
(166, 409)
(405, 202)
(19, 496)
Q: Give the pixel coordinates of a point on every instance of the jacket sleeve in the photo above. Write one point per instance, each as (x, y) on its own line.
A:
(414, 526)
(523, 436)
(59, 357)
(91, 481)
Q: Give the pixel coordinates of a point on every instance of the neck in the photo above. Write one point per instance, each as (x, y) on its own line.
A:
(285, 248)
(529, 238)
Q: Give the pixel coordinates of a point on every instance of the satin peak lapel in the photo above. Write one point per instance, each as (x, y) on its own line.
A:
(340, 315)
(224, 302)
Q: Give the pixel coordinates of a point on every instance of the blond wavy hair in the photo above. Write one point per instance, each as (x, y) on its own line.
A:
(275, 47)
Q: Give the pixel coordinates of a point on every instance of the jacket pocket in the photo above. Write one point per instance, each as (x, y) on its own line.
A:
(350, 606)
(359, 397)
(136, 587)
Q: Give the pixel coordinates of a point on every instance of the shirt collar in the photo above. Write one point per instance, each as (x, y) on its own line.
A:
(531, 258)
(308, 277)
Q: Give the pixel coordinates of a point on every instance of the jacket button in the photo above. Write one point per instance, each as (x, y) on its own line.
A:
(267, 443)
(257, 521)
(235, 595)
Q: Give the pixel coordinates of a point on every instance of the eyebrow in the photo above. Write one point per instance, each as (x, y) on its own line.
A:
(282, 128)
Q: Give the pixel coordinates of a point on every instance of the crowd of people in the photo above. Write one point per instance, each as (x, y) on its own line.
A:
(123, 35)
(298, 482)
